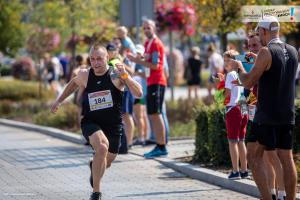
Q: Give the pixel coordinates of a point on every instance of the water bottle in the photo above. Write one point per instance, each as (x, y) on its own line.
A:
(243, 104)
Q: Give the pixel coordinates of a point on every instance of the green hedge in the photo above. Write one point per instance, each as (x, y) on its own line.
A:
(16, 90)
(10, 109)
(5, 70)
(211, 141)
(66, 117)
(297, 128)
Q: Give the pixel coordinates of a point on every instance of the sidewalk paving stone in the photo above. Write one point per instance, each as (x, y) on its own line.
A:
(34, 166)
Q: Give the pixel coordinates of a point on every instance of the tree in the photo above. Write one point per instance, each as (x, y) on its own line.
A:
(224, 16)
(74, 20)
(11, 28)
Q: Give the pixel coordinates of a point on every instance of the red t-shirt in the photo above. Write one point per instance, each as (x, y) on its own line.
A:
(154, 53)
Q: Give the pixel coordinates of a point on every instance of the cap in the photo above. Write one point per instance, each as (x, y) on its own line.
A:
(269, 22)
(140, 49)
(111, 47)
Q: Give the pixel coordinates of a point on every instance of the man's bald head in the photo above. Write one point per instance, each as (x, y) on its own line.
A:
(149, 28)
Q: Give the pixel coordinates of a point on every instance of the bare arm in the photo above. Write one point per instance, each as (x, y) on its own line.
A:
(262, 63)
(134, 87)
(129, 69)
(227, 93)
(125, 79)
(69, 89)
(142, 62)
(72, 86)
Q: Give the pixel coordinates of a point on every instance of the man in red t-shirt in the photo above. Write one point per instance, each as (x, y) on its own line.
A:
(156, 84)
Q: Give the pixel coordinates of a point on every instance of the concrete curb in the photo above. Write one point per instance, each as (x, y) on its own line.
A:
(213, 177)
(244, 186)
(53, 132)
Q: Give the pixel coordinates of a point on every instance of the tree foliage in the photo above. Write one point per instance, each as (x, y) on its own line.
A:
(11, 28)
(74, 17)
(224, 16)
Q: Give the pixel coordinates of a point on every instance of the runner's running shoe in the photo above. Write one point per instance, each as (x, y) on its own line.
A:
(96, 196)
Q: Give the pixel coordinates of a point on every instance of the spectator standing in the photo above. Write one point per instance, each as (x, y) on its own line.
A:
(272, 165)
(193, 72)
(275, 70)
(236, 120)
(156, 84)
(215, 65)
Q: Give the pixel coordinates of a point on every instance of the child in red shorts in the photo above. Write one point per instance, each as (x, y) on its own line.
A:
(236, 120)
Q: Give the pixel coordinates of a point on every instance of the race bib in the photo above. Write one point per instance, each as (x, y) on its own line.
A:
(252, 109)
(100, 100)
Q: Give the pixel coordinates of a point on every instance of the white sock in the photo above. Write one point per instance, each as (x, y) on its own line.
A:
(281, 194)
(273, 191)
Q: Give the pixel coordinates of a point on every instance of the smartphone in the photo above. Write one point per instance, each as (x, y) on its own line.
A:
(244, 58)
(241, 58)
(246, 61)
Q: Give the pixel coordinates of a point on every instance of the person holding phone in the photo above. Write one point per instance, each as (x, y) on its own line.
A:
(274, 70)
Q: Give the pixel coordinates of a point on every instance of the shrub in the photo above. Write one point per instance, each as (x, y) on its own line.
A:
(211, 140)
(180, 129)
(217, 137)
(201, 142)
(24, 69)
(182, 110)
(6, 107)
(10, 109)
(5, 70)
(16, 90)
(66, 117)
(181, 115)
(296, 145)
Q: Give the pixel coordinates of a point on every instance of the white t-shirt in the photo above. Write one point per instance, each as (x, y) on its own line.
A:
(215, 61)
(235, 91)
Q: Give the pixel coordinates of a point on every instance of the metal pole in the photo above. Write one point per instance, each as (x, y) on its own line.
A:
(137, 20)
(171, 66)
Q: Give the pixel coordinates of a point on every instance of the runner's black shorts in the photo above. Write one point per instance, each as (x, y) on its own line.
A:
(275, 136)
(112, 132)
(155, 99)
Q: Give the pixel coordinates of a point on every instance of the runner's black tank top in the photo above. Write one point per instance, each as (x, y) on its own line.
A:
(276, 88)
(101, 100)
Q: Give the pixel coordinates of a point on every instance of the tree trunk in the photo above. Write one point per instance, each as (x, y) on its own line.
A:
(224, 41)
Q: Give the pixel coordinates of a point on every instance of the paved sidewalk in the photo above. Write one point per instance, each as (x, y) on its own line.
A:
(34, 166)
(182, 93)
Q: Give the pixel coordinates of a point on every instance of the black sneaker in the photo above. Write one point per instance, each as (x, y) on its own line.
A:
(138, 142)
(149, 142)
(234, 175)
(91, 176)
(244, 174)
(96, 196)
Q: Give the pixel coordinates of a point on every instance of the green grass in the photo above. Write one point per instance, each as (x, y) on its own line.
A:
(179, 129)
(204, 77)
